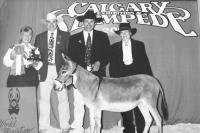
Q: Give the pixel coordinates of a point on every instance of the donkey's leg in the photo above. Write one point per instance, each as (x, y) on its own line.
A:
(151, 103)
(92, 120)
(98, 121)
(154, 111)
(147, 116)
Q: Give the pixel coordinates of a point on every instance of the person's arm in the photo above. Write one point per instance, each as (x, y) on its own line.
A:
(104, 55)
(144, 62)
(39, 64)
(105, 52)
(36, 44)
(8, 58)
(114, 70)
(70, 52)
(67, 37)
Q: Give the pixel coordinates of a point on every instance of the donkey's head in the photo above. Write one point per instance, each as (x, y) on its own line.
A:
(65, 75)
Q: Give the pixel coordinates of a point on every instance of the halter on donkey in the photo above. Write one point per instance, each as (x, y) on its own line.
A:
(114, 94)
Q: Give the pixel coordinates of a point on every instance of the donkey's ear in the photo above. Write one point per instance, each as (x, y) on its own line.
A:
(63, 56)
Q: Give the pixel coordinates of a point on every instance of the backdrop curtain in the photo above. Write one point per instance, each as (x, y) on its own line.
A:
(175, 59)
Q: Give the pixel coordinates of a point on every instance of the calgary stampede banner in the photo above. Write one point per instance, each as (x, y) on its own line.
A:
(158, 14)
(169, 29)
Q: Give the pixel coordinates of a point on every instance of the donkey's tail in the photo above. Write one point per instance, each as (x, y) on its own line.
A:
(164, 106)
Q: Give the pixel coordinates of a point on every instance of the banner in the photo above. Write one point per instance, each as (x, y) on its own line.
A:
(154, 14)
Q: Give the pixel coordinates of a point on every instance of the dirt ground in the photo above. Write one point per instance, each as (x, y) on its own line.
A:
(178, 128)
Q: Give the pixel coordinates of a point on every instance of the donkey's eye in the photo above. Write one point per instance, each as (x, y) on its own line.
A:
(63, 72)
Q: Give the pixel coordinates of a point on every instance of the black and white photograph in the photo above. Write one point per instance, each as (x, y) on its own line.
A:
(90, 66)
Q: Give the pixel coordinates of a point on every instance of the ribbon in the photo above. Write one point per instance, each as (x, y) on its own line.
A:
(17, 67)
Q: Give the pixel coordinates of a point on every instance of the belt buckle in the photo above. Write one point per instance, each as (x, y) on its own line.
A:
(51, 63)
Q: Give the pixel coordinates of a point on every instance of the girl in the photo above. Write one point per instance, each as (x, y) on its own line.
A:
(23, 60)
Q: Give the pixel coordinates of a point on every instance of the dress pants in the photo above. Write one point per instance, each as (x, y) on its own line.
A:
(45, 89)
(128, 121)
(79, 112)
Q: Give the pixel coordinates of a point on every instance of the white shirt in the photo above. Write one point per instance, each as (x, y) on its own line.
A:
(127, 52)
(54, 45)
(7, 61)
(85, 34)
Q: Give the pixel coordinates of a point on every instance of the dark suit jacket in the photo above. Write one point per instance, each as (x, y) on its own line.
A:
(140, 63)
(41, 41)
(100, 47)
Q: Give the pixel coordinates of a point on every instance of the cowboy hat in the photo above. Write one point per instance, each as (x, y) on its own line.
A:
(51, 16)
(126, 26)
(89, 15)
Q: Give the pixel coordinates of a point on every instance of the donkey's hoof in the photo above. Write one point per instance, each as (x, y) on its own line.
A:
(76, 130)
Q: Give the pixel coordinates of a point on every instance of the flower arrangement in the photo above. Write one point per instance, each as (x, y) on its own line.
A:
(34, 55)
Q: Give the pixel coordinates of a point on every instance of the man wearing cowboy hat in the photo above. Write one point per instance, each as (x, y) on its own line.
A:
(89, 48)
(50, 44)
(128, 57)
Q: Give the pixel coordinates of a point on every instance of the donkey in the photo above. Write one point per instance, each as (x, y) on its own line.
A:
(114, 94)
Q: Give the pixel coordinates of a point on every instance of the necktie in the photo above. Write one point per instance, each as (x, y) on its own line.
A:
(50, 49)
(88, 50)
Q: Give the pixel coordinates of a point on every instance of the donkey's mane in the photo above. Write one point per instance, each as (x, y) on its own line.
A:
(85, 71)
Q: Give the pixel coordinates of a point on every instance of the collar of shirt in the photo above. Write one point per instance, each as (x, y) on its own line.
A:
(27, 45)
(128, 43)
(85, 34)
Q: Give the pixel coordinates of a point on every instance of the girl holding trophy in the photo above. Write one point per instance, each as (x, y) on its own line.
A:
(24, 61)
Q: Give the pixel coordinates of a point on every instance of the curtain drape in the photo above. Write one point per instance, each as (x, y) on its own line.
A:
(175, 59)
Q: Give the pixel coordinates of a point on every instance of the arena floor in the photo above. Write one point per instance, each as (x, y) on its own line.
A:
(178, 128)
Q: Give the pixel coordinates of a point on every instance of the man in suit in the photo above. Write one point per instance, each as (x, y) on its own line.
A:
(128, 57)
(89, 48)
(50, 44)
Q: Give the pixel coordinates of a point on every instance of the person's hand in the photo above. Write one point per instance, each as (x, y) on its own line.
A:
(12, 55)
(96, 66)
(35, 63)
(58, 86)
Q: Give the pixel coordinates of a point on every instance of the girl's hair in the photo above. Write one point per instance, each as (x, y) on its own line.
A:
(25, 29)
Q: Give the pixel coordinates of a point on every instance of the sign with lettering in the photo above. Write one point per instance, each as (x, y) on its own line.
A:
(151, 13)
